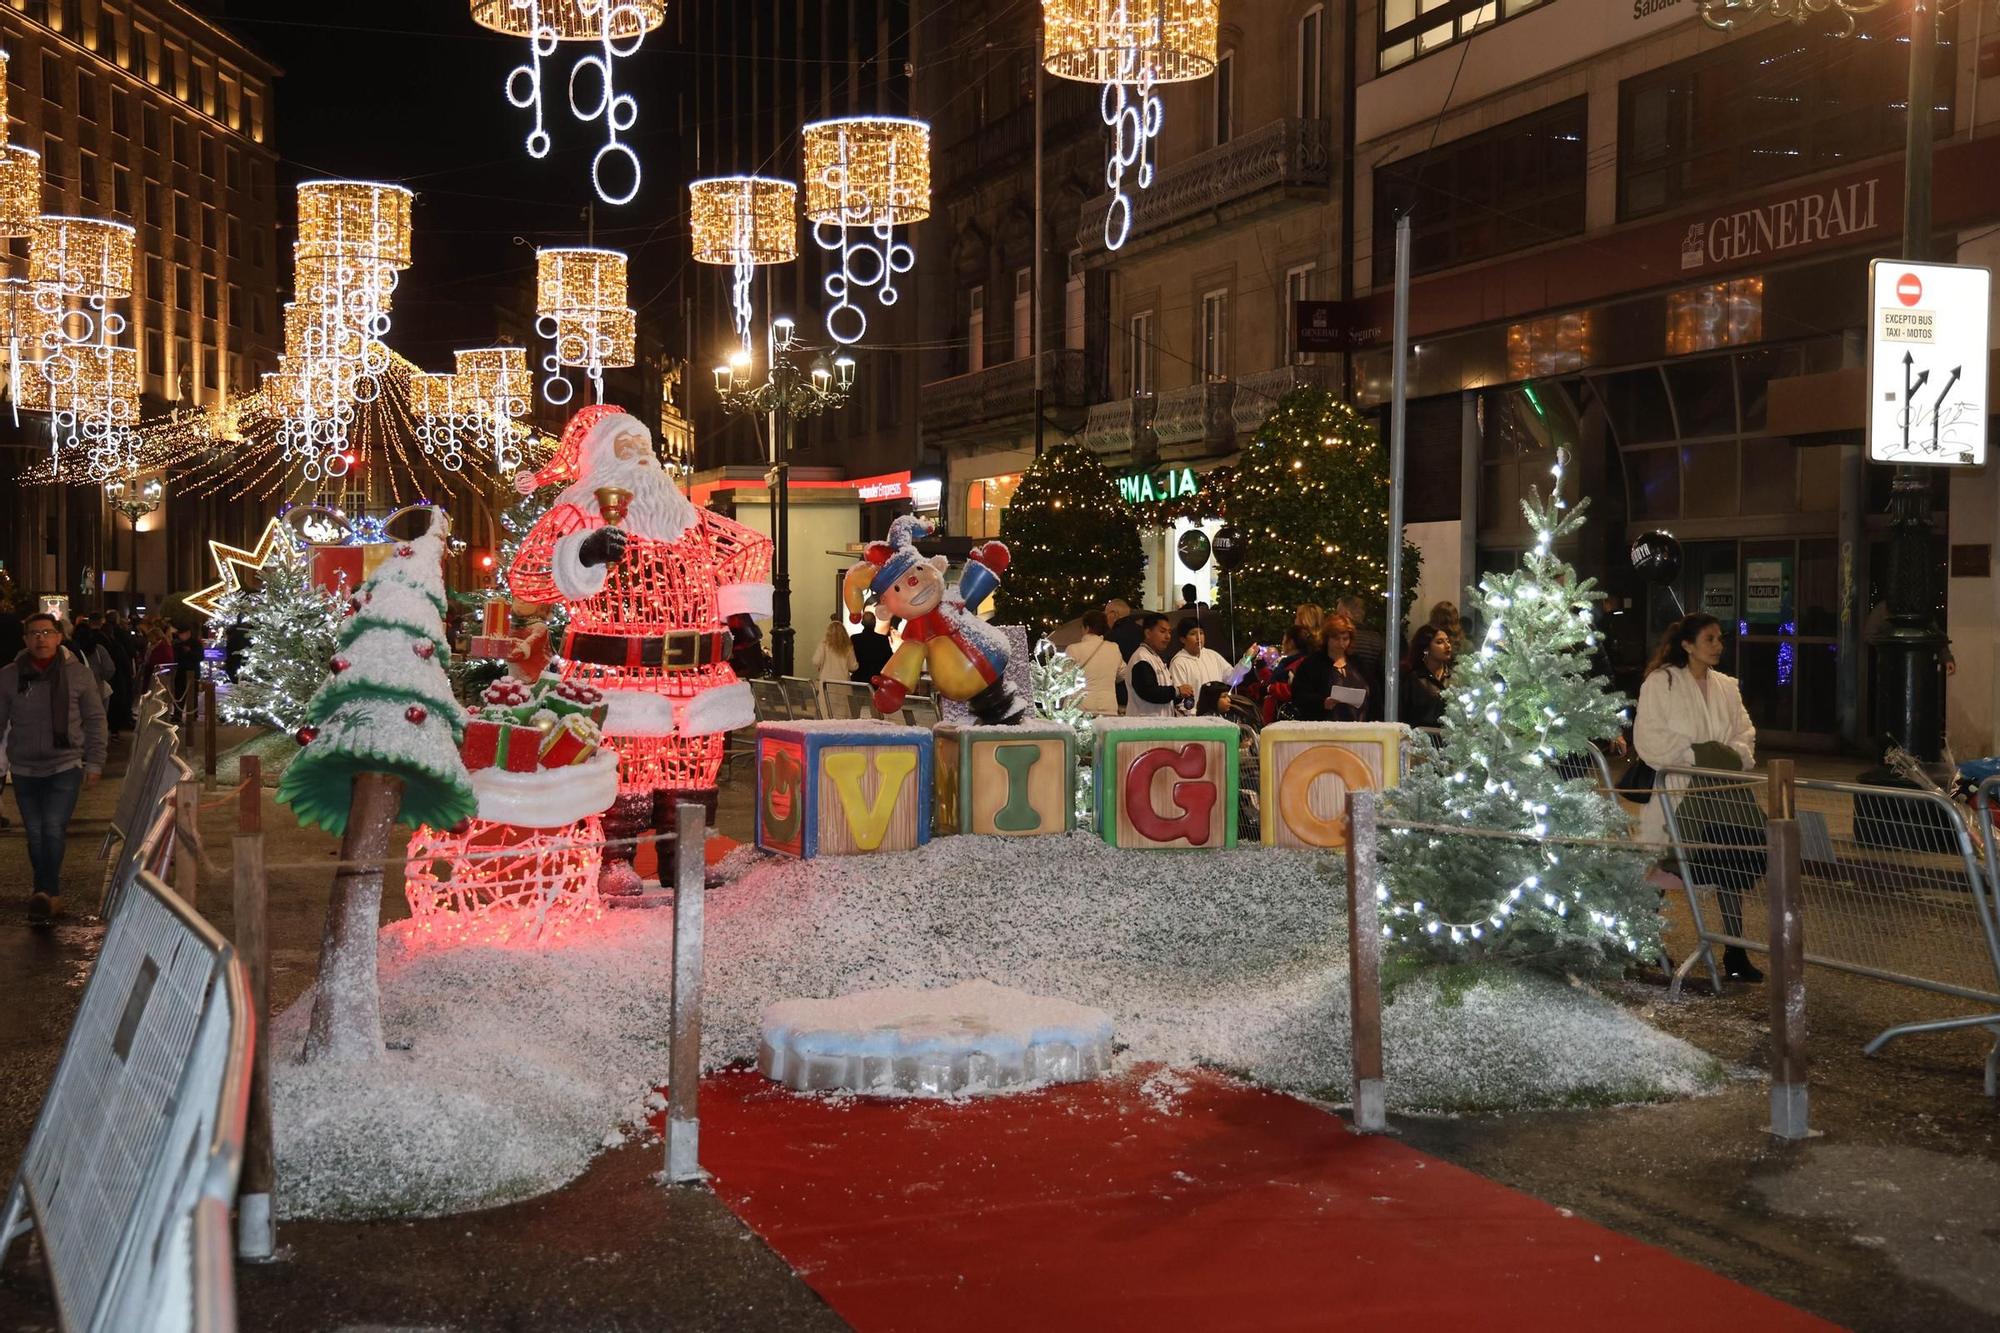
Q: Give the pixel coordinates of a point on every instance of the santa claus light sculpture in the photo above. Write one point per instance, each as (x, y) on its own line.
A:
(660, 595)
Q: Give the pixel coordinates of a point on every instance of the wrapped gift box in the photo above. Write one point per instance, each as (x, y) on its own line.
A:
(497, 646)
(490, 743)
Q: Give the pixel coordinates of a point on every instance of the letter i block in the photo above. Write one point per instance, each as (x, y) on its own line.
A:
(1016, 782)
(1306, 769)
(838, 788)
(1165, 782)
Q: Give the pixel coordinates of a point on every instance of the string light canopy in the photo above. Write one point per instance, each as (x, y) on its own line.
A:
(1130, 47)
(744, 222)
(20, 175)
(865, 176)
(616, 28)
(580, 308)
(1724, 14)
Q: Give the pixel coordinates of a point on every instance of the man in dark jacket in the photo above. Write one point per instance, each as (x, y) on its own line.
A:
(871, 651)
(52, 715)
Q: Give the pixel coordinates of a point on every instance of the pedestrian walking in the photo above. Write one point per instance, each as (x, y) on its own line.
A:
(1099, 660)
(52, 715)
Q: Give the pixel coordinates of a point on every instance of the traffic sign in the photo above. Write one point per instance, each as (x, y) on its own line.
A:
(1927, 344)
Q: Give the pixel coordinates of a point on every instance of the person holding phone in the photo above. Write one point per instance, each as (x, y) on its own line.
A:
(1327, 686)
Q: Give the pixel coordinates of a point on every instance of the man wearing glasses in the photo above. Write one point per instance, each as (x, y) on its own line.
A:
(52, 718)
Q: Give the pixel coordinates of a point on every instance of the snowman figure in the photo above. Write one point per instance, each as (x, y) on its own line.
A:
(966, 657)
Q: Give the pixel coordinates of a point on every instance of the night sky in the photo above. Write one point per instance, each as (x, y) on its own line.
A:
(412, 91)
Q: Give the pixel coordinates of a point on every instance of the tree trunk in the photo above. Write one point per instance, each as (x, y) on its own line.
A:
(347, 1013)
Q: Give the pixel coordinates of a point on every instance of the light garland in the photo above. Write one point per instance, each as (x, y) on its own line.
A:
(1130, 47)
(743, 222)
(580, 308)
(1723, 14)
(865, 176)
(617, 27)
(77, 269)
(20, 174)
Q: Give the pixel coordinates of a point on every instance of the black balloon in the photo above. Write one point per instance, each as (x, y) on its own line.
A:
(1656, 557)
(1193, 548)
(1230, 549)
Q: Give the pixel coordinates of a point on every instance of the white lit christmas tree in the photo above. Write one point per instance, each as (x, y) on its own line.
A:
(1522, 701)
(1059, 688)
(292, 623)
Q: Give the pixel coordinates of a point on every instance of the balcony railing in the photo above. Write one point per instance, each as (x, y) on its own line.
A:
(1198, 414)
(1119, 425)
(1257, 395)
(1280, 157)
(1003, 395)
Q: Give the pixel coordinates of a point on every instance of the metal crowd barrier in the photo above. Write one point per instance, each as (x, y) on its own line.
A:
(153, 847)
(132, 1166)
(153, 741)
(1891, 886)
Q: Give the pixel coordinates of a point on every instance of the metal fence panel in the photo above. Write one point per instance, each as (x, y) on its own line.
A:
(142, 1128)
(135, 851)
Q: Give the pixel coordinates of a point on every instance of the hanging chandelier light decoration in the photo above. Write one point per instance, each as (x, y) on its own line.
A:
(77, 269)
(1130, 47)
(865, 176)
(744, 222)
(580, 308)
(1724, 14)
(480, 402)
(616, 28)
(354, 239)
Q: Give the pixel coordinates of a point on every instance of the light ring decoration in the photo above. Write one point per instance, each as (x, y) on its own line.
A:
(580, 309)
(77, 269)
(433, 399)
(616, 28)
(1724, 14)
(493, 388)
(1130, 47)
(743, 222)
(865, 175)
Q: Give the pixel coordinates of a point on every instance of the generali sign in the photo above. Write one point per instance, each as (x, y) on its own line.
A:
(1827, 215)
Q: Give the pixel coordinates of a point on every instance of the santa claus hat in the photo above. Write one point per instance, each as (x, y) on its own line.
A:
(562, 465)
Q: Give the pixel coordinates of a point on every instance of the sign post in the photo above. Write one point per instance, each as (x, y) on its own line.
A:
(1927, 331)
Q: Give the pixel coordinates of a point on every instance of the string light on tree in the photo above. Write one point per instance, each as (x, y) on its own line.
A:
(865, 176)
(293, 623)
(1130, 47)
(1075, 540)
(743, 222)
(1567, 893)
(615, 29)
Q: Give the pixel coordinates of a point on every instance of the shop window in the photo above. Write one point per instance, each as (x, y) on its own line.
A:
(1708, 479)
(1769, 106)
(1516, 185)
(985, 501)
(1554, 345)
(1716, 314)
(1704, 396)
(1653, 482)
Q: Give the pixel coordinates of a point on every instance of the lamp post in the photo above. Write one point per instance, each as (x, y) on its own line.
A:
(786, 394)
(125, 493)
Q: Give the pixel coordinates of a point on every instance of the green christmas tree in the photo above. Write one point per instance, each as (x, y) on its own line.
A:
(292, 624)
(1523, 700)
(1073, 538)
(388, 706)
(1311, 497)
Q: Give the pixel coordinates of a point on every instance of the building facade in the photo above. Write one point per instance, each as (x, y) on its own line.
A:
(1646, 242)
(149, 113)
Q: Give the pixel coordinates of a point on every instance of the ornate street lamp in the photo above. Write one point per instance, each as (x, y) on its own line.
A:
(786, 393)
(133, 498)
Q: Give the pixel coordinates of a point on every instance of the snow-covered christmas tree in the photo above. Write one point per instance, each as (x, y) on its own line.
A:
(1522, 701)
(388, 706)
(292, 625)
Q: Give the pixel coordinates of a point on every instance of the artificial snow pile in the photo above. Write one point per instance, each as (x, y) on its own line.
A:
(518, 1065)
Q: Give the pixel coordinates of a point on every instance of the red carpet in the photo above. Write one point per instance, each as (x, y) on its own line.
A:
(1225, 1207)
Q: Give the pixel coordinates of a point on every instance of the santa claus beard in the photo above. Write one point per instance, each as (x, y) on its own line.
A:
(657, 509)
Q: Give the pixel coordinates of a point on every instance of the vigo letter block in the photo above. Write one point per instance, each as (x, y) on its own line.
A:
(1165, 782)
(1306, 769)
(1011, 781)
(837, 788)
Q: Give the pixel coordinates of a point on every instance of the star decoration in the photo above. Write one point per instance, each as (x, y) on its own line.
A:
(231, 561)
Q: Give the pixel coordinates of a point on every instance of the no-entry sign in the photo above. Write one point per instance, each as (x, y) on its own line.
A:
(1927, 342)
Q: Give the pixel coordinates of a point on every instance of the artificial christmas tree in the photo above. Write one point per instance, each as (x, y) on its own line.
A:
(292, 623)
(382, 745)
(1074, 539)
(1311, 497)
(1522, 701)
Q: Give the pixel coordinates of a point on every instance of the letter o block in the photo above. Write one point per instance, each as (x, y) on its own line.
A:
(1010, 782)
(842, 788)
(1166, 783)
(1306, 769)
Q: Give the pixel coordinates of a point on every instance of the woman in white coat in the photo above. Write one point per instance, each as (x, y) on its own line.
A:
(1692, 716)
(1099, 660)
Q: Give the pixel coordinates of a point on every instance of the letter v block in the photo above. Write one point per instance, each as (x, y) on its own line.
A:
(841, 788)
(1167, 783)
(1012, 782)
(1305, 771)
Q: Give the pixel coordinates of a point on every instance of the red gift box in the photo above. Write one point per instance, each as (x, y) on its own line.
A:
(481, 746)
(497, 647)
(338, 569)
(521, 748)
(572, 740)
(508, 745)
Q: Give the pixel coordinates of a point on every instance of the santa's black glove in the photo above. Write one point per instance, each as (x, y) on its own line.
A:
(606, 546)
(746, 647)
